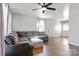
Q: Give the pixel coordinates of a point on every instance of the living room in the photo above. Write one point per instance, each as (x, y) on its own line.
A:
(30, 30)
(29, 24)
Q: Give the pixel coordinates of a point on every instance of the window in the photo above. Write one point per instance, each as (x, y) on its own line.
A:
(40, 25)
(9, 23)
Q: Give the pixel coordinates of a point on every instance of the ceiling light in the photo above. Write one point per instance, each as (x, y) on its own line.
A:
(44, 8)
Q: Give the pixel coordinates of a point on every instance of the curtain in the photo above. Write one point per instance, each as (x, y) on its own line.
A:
(7, 19)
(9, 29)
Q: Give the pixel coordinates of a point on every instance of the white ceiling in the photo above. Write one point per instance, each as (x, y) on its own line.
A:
(26, 9)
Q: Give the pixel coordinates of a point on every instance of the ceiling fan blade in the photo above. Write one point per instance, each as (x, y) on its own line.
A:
(39, 4)
(51, 8)
(35, 9)
(49, 4)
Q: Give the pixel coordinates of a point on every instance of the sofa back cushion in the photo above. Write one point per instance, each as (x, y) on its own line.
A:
(24, 34)
(15, 35)
(21, 34)
(29, 33)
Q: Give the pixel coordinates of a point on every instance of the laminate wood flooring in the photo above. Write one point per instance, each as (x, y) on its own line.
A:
(58, 46)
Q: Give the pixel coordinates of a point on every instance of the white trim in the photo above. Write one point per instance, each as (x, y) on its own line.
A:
(74, 43)
(59, 36)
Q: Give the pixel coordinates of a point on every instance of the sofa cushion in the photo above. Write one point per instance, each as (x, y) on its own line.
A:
(29, 33)
(12, 38)
(21, 39)
(22, 34)
(36, 42)
(15, 36)
(9, 40)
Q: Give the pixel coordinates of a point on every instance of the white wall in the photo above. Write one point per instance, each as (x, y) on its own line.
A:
(74, 23)
(52, 28)
(65, 28)
(27, 23)
(1, 32)
(66, 33)
(24, 23)
(48, 27)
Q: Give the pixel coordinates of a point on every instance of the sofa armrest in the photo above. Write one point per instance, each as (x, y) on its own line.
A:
(22, 49)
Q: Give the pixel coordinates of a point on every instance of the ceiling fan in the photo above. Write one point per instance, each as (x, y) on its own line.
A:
(44, 7)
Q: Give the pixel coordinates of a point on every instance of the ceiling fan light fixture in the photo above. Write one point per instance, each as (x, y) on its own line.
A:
(44, 8)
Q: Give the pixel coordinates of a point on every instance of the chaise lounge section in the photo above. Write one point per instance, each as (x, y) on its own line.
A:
(15, 48)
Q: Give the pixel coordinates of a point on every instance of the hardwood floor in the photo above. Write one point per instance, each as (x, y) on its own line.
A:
(58, 47)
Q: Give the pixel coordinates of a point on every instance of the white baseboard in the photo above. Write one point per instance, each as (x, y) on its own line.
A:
(73, 43)
(59, 36)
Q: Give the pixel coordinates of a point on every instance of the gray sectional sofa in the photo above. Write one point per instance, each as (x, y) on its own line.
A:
(18, 43)
(29, 34)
